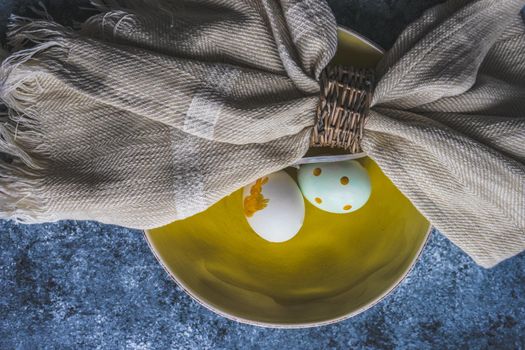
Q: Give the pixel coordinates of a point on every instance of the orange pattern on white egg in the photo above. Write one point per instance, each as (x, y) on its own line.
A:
(255, 201)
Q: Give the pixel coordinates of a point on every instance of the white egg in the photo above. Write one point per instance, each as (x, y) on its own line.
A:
(274, 207)
(338, 187)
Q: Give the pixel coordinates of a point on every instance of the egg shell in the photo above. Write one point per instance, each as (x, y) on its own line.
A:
(274, 207)
(338, 187)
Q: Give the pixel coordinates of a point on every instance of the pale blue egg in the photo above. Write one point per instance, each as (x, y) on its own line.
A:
(338, 187)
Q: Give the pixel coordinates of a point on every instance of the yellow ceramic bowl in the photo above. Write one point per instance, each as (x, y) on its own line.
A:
(337, 266)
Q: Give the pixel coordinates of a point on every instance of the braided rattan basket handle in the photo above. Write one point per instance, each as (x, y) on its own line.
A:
(346, 94)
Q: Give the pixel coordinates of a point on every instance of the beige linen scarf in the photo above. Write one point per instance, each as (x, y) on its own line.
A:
(152, 112)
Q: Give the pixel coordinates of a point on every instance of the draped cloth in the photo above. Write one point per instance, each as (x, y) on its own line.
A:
(154, 111)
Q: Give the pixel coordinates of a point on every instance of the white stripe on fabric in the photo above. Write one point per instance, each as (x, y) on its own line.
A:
(204, 110)
(202, 115)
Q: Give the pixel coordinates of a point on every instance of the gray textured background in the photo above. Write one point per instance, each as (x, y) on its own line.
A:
(74, 285)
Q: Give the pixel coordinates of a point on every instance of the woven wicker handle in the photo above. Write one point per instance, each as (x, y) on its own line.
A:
(346, 94)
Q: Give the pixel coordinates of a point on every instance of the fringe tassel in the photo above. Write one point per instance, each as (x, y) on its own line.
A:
(23, 171)
(120, 16)
(23, 196)
(22, 175)
(107, 25)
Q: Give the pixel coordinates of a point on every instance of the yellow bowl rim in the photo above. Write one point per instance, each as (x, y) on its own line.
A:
(372, 303)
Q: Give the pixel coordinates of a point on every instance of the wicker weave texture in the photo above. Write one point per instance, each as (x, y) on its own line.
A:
(346, 93)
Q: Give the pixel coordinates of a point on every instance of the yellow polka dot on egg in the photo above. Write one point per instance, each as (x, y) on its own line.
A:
(344, 180)
(347, 207)
(317, 171)
(318, 200)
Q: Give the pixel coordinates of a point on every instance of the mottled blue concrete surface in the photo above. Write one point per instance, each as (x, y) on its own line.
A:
(85, 285)
(74, 285)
